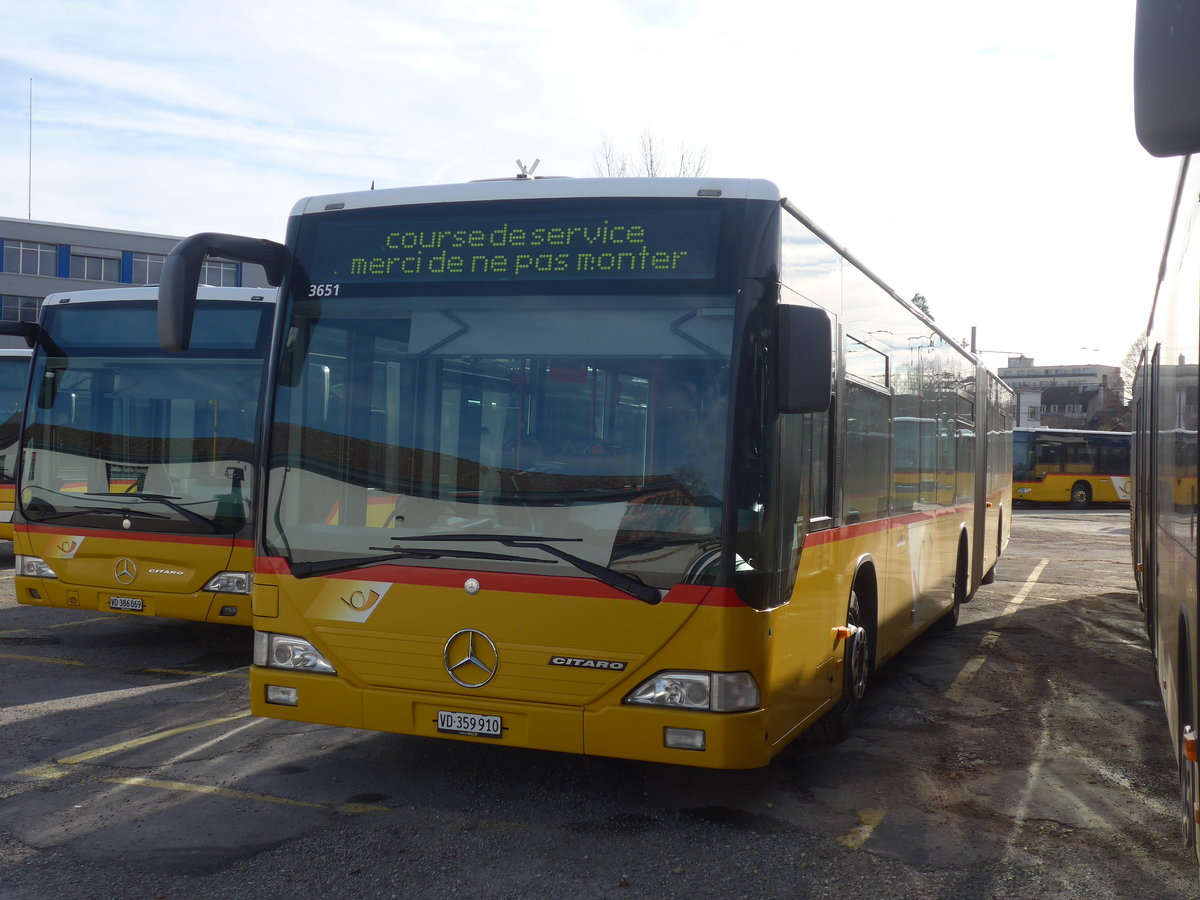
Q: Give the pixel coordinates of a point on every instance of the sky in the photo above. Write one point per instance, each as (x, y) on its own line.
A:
(982, 155)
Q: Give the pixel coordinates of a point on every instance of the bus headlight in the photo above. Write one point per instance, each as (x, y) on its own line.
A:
(33, 567)
(710, 691)
(283, 651)
(230, 583)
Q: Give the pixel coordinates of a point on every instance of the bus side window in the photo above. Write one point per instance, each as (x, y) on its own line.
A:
(867, 464)
(1049, 457)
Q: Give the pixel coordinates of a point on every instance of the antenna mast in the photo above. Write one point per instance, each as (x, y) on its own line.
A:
(527, 173)
(29, 182)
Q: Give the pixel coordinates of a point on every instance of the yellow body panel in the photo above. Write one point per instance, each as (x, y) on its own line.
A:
(1056, 488)
(7, 502)
(167, 573)
(388, 638)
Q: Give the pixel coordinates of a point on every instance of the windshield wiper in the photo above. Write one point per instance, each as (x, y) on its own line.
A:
(189, 514)
(346, 563)
(100, 511)
(628, 584)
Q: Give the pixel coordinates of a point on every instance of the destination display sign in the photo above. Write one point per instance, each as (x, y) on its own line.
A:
(569, 246)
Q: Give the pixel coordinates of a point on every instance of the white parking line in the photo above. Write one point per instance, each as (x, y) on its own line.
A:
(232, 794)
(61, 767)
(71, 624)
(24, 713)
(958, 688)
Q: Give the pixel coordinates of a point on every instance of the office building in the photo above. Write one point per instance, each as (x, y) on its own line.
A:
(42, 258)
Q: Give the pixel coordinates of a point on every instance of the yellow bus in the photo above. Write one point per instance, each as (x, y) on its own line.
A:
(136, 470)
(1165, 511)
(1062, 465)
(601, 466)
(14, 380)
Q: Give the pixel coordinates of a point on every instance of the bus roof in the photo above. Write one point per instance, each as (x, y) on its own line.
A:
(1046, 429)
(151, 293)
(543, 188)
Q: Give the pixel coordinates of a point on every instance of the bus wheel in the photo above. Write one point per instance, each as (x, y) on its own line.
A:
(1081, 495)
(836, 724)
(1187, 767)
(1187, 792)
(949, 619)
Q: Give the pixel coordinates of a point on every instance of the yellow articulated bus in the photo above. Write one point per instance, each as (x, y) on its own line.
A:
(1165, 509)
(14, 381)
(602, 466)
(136, 473)
(1062, 465)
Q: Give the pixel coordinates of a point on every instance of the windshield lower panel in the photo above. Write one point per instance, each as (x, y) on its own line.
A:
(163, 441)
(599, 423)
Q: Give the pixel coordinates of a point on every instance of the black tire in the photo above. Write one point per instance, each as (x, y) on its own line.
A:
(1187, 782)
(1081, 495)
(949, 619)
(837, 724)
(1187, 800)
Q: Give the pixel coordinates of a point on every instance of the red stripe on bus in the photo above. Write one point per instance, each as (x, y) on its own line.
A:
(846, 532)
(137, 536)
(691, 594)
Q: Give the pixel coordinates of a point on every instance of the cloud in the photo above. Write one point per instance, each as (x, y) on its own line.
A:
(983, 156)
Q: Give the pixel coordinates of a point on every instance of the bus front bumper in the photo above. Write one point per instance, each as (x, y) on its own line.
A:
(720, 740)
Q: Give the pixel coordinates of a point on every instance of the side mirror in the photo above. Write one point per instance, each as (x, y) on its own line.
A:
(1166, 72)
(27, 330)
(805, 381)
(181, 276)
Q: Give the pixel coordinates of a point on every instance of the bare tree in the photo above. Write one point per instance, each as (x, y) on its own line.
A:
(1130, 363)
(610, 162)
(651, 160)
(922, 304)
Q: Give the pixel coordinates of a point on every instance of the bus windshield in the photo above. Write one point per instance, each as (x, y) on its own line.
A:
(119, 428)
(14, 378)
(584, 406)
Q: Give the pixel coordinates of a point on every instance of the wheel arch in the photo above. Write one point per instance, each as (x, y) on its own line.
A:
(866, 586)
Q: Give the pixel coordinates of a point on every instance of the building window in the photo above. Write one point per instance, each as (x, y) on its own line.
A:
(219, 274)
(19, 309)
(147, 268)
(30, 258)
(95, 268)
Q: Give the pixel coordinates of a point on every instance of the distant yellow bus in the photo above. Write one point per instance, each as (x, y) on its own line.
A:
(134, 487)
(601, 466)
(14, 380)
(1059, 465)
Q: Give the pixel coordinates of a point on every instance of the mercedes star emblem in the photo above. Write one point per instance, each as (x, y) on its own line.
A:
(125, 570)
(471, 658)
